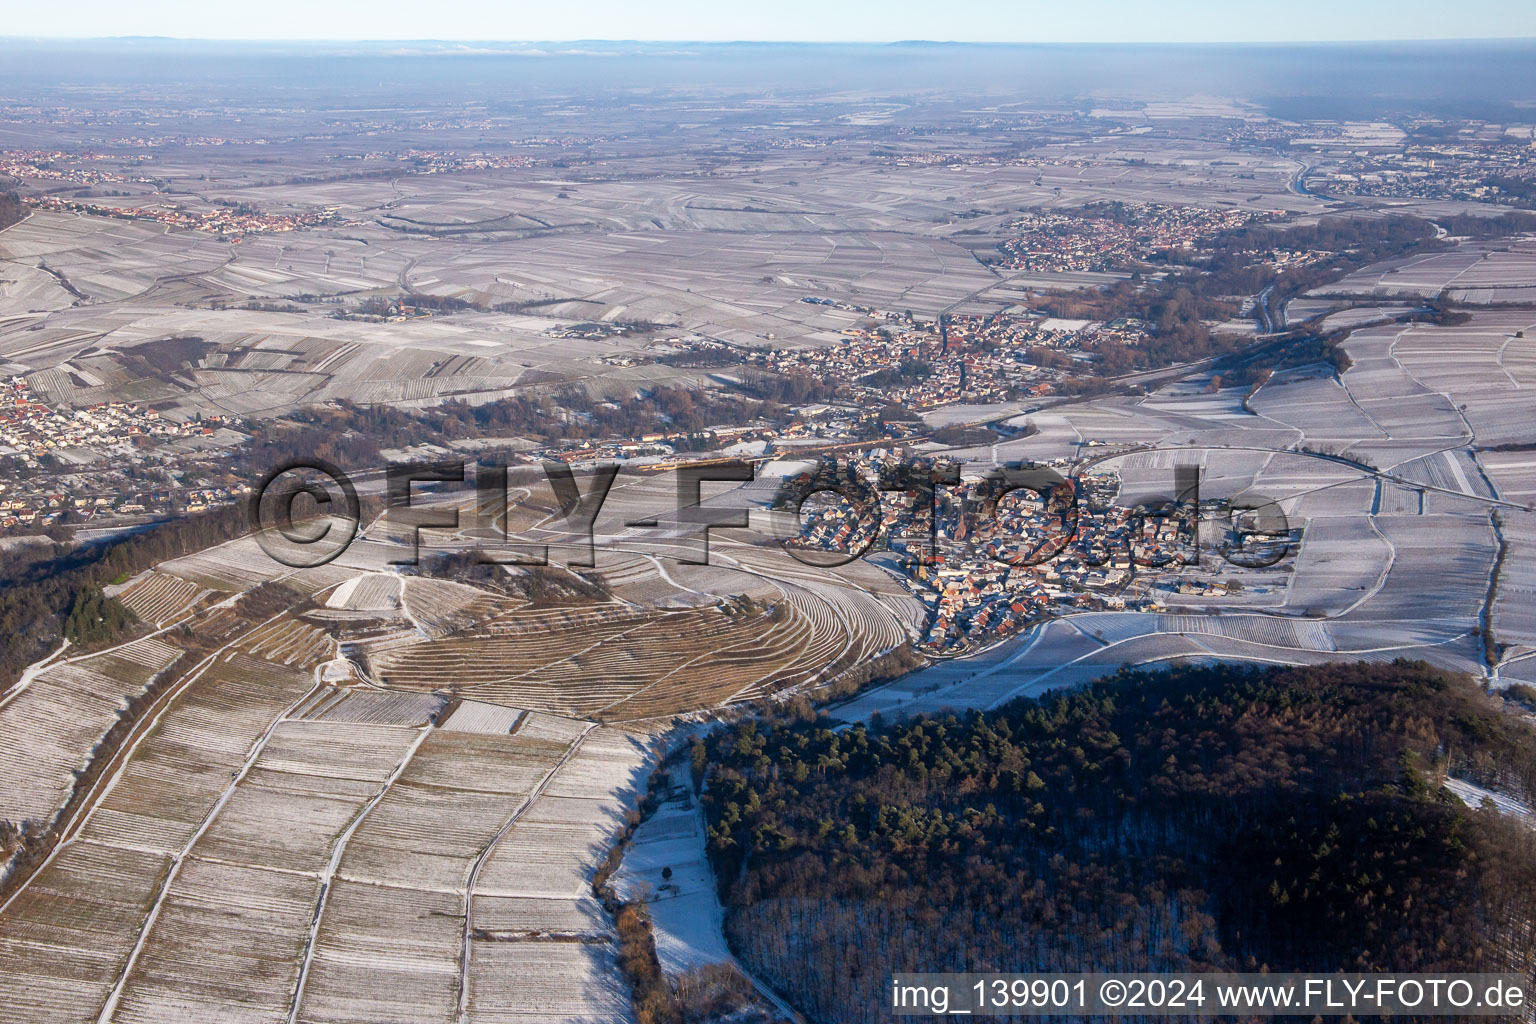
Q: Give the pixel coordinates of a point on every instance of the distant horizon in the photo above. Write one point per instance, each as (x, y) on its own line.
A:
(788, 21)
(447, 41)
(1488, 77)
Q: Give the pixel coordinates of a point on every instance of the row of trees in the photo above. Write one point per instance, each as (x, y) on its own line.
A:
(1210, 818)
(1472, 225)
(352, 435)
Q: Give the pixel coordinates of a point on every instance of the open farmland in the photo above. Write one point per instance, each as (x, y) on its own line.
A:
(540, 869)
(683, 905)
(331, 846)
(388, 791)
(55, 718)
(722, 256)
(150, 815)
(1477, 273)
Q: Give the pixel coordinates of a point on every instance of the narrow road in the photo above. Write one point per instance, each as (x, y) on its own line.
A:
(1267, 317)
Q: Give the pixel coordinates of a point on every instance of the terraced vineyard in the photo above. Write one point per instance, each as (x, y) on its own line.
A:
(160, 597)
(53, 721)
(276, 849)
(618, 662)
(279, 834)
(288, 641)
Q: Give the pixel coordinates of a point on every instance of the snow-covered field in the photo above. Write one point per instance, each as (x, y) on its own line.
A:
(1474, 796)
(665, 867)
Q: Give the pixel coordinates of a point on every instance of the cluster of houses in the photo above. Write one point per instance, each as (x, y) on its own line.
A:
(1023, 562)
(1468, 170)
(589, 330)
(428, 161)
(31, 430)
(56, 165)
(922, 365)
(931, 158)
(1110, 236)
(658, 444)
(226, 222)
(48, 509)
(379, 310)
(998, 566)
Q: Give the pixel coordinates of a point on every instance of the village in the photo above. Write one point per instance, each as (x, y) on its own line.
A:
(231, 223)
(109, 441)
(62, 166)
(921, 365)
(1501, 169)
(1112, 235)
(1002, 558)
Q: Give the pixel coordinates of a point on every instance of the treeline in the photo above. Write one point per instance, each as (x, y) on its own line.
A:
(1353, 242)
(351, 435)
(12, 210)
(46, 592)
(701, 358)
(542, 586)
(778, 389)
(1471, 225)
(907, 372)
(1175, 309)
(1217, 818)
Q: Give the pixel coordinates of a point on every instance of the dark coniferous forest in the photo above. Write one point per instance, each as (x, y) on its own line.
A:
(11, 210)
(1203, 819)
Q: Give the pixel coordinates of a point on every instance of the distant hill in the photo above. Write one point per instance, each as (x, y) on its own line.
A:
(1204, 819)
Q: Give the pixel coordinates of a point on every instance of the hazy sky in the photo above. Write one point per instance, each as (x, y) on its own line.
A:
(798, 20)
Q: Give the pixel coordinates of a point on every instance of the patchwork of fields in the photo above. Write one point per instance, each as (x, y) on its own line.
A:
(374, 802)
(292, 827)
(274, 849)
(363, 792)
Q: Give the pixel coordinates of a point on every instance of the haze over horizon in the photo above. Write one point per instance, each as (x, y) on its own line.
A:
(1103, 21)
